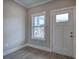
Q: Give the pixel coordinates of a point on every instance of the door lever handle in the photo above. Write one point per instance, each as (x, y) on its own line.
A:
(71, 32)
(71, 36)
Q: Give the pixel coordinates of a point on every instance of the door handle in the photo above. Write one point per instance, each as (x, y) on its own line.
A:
(71, 36)
(71, 32)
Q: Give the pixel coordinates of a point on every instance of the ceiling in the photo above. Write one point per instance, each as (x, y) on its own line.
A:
(31, 3)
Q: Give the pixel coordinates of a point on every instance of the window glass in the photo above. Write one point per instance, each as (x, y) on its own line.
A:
(38, 21)
(38, 27)
(41, 21)
(35, 21)
(39, 32)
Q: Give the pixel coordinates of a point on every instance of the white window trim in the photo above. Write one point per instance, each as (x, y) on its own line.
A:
(38, 14)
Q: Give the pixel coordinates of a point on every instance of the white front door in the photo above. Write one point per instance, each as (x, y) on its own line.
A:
(63, 31)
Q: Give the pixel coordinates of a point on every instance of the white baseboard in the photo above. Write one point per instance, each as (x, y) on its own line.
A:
(13, 50)
(30, 45)
(39, 47)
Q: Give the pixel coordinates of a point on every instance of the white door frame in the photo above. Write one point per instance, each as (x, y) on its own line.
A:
(51, 26)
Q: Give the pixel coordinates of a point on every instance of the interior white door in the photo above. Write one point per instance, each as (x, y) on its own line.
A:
(63, 31)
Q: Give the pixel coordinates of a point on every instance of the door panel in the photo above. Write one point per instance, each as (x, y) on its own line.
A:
(63, 31)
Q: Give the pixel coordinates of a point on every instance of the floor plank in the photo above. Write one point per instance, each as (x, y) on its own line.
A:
(32, 53)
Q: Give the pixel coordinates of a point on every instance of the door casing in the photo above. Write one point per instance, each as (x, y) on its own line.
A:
(52, 35)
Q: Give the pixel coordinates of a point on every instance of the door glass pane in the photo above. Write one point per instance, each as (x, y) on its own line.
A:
(62, 17)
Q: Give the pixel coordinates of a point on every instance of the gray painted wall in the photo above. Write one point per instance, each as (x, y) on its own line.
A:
(47, 8)
(14, 25)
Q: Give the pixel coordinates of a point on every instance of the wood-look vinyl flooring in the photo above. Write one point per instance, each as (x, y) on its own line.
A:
(33, 53)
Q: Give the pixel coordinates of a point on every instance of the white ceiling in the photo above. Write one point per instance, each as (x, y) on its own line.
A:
(31, 3)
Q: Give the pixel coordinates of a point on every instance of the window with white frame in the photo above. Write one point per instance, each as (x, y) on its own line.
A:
(38, 22)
